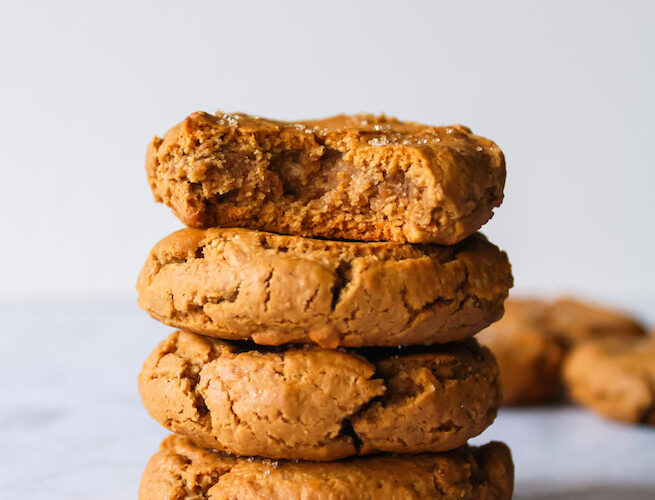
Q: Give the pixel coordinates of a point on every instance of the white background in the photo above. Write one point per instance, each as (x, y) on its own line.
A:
(565, 88)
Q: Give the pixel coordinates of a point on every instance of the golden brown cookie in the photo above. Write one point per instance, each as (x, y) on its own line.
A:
(574, 321)
(180, 470)
(614, 376)
(532, 339)
(360, 177)
(241, 284)
(318, 404)
(528, 354)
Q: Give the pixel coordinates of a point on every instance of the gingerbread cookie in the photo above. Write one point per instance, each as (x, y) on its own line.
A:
(361, 177)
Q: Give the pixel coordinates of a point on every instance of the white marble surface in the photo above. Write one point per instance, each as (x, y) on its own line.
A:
(72, 425)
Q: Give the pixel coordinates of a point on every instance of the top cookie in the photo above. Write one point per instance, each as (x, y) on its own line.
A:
(361, 177)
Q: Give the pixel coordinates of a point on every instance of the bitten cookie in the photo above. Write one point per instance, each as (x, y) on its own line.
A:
(241, 284)
(361, 177)
(182, 471)
(614, 376)
(318, 404)
(528, 354)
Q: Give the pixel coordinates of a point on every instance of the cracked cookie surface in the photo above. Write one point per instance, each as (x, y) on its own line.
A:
(182, 471)
(615, 377)
(318, 404)
(360, 177)
(241, 284)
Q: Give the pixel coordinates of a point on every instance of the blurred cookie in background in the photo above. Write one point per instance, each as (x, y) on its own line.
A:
(575, 321)
(528, 355)
(534, 336)
(615, 377)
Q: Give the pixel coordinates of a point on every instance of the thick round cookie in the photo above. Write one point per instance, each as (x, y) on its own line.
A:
(529, 355)
(614, 376)
(361, 177)
(180, 470)
(240, 284)
(309, 403)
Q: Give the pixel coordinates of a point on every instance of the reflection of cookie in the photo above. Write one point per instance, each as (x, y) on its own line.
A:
(316, 404)
(181, 470)
(364, 177)
(242, 284)
(614, 376)
(528, 355)
(573, 321)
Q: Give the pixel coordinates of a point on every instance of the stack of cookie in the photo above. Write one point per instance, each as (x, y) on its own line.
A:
(327, 291)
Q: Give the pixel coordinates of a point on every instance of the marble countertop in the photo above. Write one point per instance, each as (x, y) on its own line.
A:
(72, 424)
